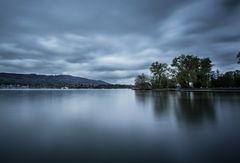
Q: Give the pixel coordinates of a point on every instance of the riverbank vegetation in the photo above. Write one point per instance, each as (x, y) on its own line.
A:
(187, 71)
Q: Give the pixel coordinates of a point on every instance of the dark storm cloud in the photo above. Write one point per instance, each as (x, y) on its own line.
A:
(231, 4)
(227, 38)
(114, 40)
(85, 15)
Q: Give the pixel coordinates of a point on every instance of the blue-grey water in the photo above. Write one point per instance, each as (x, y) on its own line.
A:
(118, 126)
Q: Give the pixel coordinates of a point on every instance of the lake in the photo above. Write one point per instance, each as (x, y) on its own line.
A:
(118, 126)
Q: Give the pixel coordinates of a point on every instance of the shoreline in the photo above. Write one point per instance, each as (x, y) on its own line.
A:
(193, 90)
(6, 89)
(236, 90)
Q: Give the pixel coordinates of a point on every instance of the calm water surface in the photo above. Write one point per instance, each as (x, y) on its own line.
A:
(118, 126)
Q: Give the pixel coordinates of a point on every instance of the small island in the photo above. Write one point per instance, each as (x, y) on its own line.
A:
(188, 73)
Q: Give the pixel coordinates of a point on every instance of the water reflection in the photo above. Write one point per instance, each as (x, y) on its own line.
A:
(161, 102)
(158, 100)
(143, 97)
(118, 126)
(190, 108)
(195, 108)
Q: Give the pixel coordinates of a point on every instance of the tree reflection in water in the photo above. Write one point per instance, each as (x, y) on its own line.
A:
(195, 107)
(159, 101)
(190, 108)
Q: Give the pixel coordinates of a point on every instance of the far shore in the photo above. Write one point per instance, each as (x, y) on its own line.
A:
(59, 88)
(237, 90)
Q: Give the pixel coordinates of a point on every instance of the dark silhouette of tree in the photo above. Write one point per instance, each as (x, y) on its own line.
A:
(186, 70)
(190, 68)
(186, 67)
(226, 80)
(142, 82)
(204, 73)
(159, 71)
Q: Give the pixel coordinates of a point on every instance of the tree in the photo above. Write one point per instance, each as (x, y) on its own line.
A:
(186, 69)
(158, 70)
(237, 78)
(204, 72)
(191, 69)
(142, 82)
(228, 79)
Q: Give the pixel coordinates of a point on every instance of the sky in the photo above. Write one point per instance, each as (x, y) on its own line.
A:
(114, 40)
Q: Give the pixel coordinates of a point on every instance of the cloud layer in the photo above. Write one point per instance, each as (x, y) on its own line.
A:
(114, 40)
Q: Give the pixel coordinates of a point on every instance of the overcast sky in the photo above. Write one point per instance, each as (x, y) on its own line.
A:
(114, 40)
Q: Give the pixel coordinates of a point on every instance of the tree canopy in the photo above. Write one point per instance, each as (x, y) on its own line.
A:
(159, 78)
(142, 82)
(187, 71)
(191, 69)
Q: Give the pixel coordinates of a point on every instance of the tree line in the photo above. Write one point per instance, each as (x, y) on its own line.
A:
(187, 71)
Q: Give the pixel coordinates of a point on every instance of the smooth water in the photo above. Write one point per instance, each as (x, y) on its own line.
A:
(118, 126)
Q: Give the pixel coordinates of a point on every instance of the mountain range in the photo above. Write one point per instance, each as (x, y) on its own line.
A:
(52, 81)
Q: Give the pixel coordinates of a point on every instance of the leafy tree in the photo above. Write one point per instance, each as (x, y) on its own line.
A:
(142, 82)
(186, 67)
(189, 68)
(159, 71)
(237, 78)
(214, 76)
(172, 81)
(228, 79)
(204, 72)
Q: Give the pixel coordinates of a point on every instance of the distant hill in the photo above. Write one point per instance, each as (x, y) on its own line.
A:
(52, 81)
